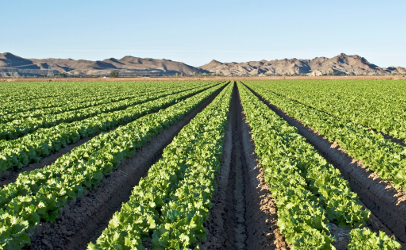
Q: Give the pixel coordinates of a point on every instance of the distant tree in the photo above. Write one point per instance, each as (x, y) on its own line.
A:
(114, 74)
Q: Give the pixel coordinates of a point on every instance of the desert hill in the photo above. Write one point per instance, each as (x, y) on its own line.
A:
(338, 65)
(12, 65)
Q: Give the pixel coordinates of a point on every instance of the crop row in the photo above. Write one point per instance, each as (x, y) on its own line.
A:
(27, 96)
(11, 129)
(25, 91)
(377, 104)
(33, 147)
(173, 201)
(381, 155)
(168, 208)
(59, 105)
(62, 105)
(310, 193)
(41, 194)
(18, 128)
(29, 91)
(69, 94)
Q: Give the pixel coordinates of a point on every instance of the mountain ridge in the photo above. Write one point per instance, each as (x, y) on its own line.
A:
(128, 65)
(342, 64)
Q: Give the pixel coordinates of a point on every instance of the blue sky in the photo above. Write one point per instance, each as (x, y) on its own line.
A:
(196, 32)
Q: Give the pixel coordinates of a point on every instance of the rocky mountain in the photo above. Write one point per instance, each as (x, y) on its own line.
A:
(338, 65)
(12, 65)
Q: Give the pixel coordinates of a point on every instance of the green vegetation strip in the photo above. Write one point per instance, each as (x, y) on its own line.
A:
(33, 147)
(42, 193)
(81, 102)
(173, 201)
(23, 97)
(381, 155)
(18, 128)
(379, 104)
(310, 193)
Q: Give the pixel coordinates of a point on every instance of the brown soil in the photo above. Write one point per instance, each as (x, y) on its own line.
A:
(216, 236)
(388, 137)
(243, 214)
(11, 175)
(342, 237)
(211, 78)
(83, 220)
(386, 204)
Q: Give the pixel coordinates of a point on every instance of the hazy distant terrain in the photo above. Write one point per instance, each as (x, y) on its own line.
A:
(12, 65)
(15, 66)
(338, 65)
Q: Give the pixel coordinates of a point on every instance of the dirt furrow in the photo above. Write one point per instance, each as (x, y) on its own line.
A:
(385, 202)
(243, 214)
(11, 175)
(216, 235)
(83, 220)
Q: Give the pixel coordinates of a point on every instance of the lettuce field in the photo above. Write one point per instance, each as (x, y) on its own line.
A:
(290, 164)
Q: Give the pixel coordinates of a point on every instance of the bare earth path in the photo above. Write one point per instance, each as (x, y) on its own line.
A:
(243, 214)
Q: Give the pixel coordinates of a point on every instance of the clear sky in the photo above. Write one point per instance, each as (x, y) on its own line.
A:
(196, 32)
